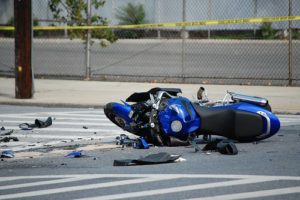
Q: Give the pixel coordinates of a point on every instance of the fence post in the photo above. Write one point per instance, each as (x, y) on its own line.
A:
(158, 18)
(290, 44)
(183, 36)
(88, 38)
(255, 16)
(209, 17)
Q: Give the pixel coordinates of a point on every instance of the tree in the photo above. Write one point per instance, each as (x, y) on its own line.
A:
(130, 15)
(267, 31)
(75, 12)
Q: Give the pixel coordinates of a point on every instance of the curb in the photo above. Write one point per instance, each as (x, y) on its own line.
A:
(101, 106)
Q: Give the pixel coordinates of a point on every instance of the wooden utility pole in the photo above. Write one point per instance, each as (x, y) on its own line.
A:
(23, 44)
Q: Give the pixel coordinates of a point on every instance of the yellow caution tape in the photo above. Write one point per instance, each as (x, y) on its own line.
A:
(174, 24)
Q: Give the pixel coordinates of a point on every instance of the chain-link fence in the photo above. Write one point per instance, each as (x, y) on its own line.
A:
(248, 53)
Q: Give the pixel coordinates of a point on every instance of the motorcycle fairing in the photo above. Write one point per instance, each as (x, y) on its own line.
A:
(124, 112)
(180, 111)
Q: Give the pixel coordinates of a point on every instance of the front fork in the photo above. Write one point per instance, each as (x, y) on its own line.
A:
(155, 132)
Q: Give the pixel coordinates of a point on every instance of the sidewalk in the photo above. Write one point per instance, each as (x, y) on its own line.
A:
(76, 93)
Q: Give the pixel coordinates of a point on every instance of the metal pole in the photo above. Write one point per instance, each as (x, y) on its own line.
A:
(183, 36)
(290, 44)
(88, 38)
(158, 18)
(209, 17)
(23, 49)
(255, 16)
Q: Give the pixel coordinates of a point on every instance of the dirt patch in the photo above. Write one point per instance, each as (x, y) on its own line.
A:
(54, 152)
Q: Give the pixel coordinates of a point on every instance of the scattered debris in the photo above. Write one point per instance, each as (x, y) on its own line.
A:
(227, 148)
(43, 124)
(37, 124)
(78, 154)
(151, 159)
(7, 154)
(123, 140)
(4, 131)
(139, 143)
(8, 139)
(219, 145)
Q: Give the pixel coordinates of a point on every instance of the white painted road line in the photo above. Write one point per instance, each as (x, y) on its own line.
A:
(78, 188)
(179, 189)
(255, 194)
(147, 178)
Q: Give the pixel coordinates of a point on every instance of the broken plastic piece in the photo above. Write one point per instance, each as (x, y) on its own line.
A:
(38, 123)
(227, 148)
(159, 158)
(8, 154)
(76, 154)
(141, 144)
(43, 124)
(222, 146)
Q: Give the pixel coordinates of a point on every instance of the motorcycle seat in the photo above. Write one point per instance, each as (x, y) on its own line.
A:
(229, 122)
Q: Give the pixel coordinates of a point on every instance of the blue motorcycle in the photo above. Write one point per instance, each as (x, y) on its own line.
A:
(162, 117)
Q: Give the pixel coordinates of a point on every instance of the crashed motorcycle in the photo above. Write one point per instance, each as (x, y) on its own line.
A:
(162, 117)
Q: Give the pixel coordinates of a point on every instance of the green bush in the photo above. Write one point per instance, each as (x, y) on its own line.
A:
(267, 31)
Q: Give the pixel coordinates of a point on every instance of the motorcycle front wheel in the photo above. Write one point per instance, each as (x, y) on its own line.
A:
(109, 112)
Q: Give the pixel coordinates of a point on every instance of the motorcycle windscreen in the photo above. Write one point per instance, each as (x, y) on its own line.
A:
(138, 97)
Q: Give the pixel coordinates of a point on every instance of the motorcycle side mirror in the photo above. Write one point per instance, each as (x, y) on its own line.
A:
(202, 94)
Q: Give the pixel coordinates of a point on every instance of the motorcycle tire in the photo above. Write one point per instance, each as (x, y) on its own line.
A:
(108, 111)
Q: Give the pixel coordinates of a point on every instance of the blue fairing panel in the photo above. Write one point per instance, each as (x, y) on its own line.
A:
(179, 109)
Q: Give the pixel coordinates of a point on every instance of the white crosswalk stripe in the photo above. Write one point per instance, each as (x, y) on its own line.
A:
(286, 120)
(67, 125)
(224, 181)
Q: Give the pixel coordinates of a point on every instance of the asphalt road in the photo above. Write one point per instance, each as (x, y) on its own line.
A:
(162, 58)
(265, 170)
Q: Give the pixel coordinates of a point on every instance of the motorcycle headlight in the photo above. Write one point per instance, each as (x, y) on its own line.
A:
(176, 126)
